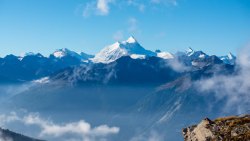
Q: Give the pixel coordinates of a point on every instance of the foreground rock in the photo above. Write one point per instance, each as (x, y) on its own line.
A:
(234, 128)
(7, 135)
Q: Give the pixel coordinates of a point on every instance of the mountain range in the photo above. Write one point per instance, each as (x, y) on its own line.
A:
(33, 66)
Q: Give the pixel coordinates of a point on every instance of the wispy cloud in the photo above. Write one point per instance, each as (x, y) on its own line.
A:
(132, 22)
(88, 9)
(132, 28)
(118, 35)
(176, 65)
(139, 5)
(103, 6)
(234, 88)
(8, 118)
(97, 7)
(80, 130)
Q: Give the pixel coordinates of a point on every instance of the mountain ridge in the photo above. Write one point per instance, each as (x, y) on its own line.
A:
(128, 48)
(33, 66)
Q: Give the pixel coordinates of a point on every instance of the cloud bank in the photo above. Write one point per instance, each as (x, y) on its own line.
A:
(80, 130)
(234, 88)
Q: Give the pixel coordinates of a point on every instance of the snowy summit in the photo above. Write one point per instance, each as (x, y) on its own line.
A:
(119, 49)
(60, 53)
(131, 40)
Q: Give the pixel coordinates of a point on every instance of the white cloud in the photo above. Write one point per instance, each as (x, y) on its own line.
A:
(234, 88)
(104, 130)
(8, 118)
(118, 35)
(97, 7)
(132, 25)
(103, 6)
(88, 9)
(176, 65)
(132, 28)
(80, 130)
(140, 5)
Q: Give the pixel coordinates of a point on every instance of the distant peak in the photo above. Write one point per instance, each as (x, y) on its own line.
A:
(189, 50)
(63, 50)
(157, 51)
(30, 54)
(27, 54)
(59, 53)
(131, 39)
(230, 55)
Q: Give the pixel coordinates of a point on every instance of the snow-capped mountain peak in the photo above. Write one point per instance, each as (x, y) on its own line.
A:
(59, 53)
(195, 54)
(119, 49)
(29, 54)
(190, 51)
(228, 59)
(64, 52)
(230, 55)
(131, 39)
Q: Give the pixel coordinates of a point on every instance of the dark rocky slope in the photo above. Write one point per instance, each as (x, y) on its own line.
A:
(7, 135)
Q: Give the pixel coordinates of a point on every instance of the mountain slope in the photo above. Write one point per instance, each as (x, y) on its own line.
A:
(125, 70)
(7, 135)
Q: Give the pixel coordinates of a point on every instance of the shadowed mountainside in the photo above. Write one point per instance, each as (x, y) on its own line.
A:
(7, 135)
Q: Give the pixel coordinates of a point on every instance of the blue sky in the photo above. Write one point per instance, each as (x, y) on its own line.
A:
(214, 26)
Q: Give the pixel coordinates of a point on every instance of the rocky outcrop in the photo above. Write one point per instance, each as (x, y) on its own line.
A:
(234, 128)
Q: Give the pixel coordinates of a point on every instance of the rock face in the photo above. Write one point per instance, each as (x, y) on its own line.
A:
(234, 128)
